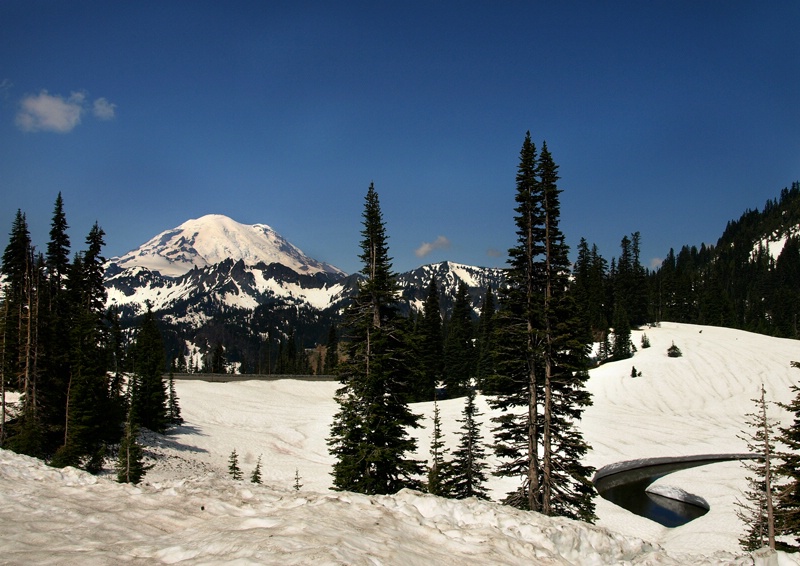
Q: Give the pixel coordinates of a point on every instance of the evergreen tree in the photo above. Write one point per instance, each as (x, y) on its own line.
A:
(788, 500)
(87, 427)
(332, 351)
(369, 436)
(757, 512)
(621, 347)
(130, 461)
(439, 468)
(297, 484)
(255, 477)
(468, 477)
(149, 399)
(486, 339)
(459, 349)
(173, 408)
(233, 466)
(430, 345)
(543, 356)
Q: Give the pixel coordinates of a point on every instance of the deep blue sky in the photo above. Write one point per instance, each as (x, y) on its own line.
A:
(669, 118)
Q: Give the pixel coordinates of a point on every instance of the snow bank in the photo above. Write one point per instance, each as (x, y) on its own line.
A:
(66, 516)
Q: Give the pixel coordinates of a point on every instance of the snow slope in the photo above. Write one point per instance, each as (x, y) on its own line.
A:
(188, 511)
(214, 238)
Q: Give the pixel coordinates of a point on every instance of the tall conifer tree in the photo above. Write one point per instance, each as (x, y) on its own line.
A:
(543, 356)
(369, 435)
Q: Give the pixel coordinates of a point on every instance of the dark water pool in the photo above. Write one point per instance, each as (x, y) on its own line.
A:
(626, 484)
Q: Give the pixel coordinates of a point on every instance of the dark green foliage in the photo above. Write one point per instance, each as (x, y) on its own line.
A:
(297, 484)
(467, 476)
(173, 408)
(788, 497)
(429, 330)
(645, 341)
(369, 435)
(149, 392)
(439, 468)
(130, 461)
(674, 352)
(255, 477)
(459, 348)
(621, 346)
(233, 466)
(486, 340)
(331, 362)
(542, 356)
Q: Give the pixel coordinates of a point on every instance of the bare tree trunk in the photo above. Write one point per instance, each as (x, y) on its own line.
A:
(767, 474)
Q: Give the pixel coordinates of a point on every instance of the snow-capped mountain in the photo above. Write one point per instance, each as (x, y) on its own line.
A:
(213, 279)
(214, 238)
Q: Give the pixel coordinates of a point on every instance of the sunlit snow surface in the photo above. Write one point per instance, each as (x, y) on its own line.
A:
(188, 511)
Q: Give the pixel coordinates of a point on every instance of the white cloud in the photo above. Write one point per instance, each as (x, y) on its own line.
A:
(492, 252)
(427, 247)
(103, 109)
(46, 112)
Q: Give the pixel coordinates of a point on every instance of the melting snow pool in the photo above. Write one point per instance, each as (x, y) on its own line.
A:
(627, 484)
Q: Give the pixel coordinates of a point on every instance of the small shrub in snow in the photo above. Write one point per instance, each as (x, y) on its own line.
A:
(674, 352)
(645, 341)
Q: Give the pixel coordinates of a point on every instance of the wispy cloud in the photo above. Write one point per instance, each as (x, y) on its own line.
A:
(5, 88)
(427, 247)
(491, 252)
(45, 112)
(103, 109)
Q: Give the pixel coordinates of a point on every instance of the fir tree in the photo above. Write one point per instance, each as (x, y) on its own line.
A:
(297, 484)
(369, 437)
(468, 478)
(233, 466)
(173, 408)
(439, 468)
(486, 340)
(149, 393)
(459, 349)
(788, 500)
(542, 356)
(430, 344)
(331, 352)
(130, 461)
(757, 512)
(255, 477)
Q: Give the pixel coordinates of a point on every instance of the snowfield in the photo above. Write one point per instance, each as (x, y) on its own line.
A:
(187, 510)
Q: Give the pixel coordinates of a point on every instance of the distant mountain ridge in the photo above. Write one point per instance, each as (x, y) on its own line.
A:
(214, 280)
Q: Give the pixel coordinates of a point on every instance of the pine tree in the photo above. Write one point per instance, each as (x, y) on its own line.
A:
(788, 500)
(130, 461)
(332, 352)
(459, 349)
(468, 478)
(233, 466)
(173, 408)
(369, 437)
(87, 428)
(757, 512)
(255, 477)
(439, 468)
(149, 399)
(542, 356)
(430, 344)
(486, 340)
(297, 484)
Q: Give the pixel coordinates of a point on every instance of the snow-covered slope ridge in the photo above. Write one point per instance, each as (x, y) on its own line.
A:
(214, 238)
(67, 516)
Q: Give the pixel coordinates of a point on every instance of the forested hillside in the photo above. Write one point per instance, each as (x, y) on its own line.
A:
(749, 280)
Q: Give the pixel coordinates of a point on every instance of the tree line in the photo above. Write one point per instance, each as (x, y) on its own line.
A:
(63, 358)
